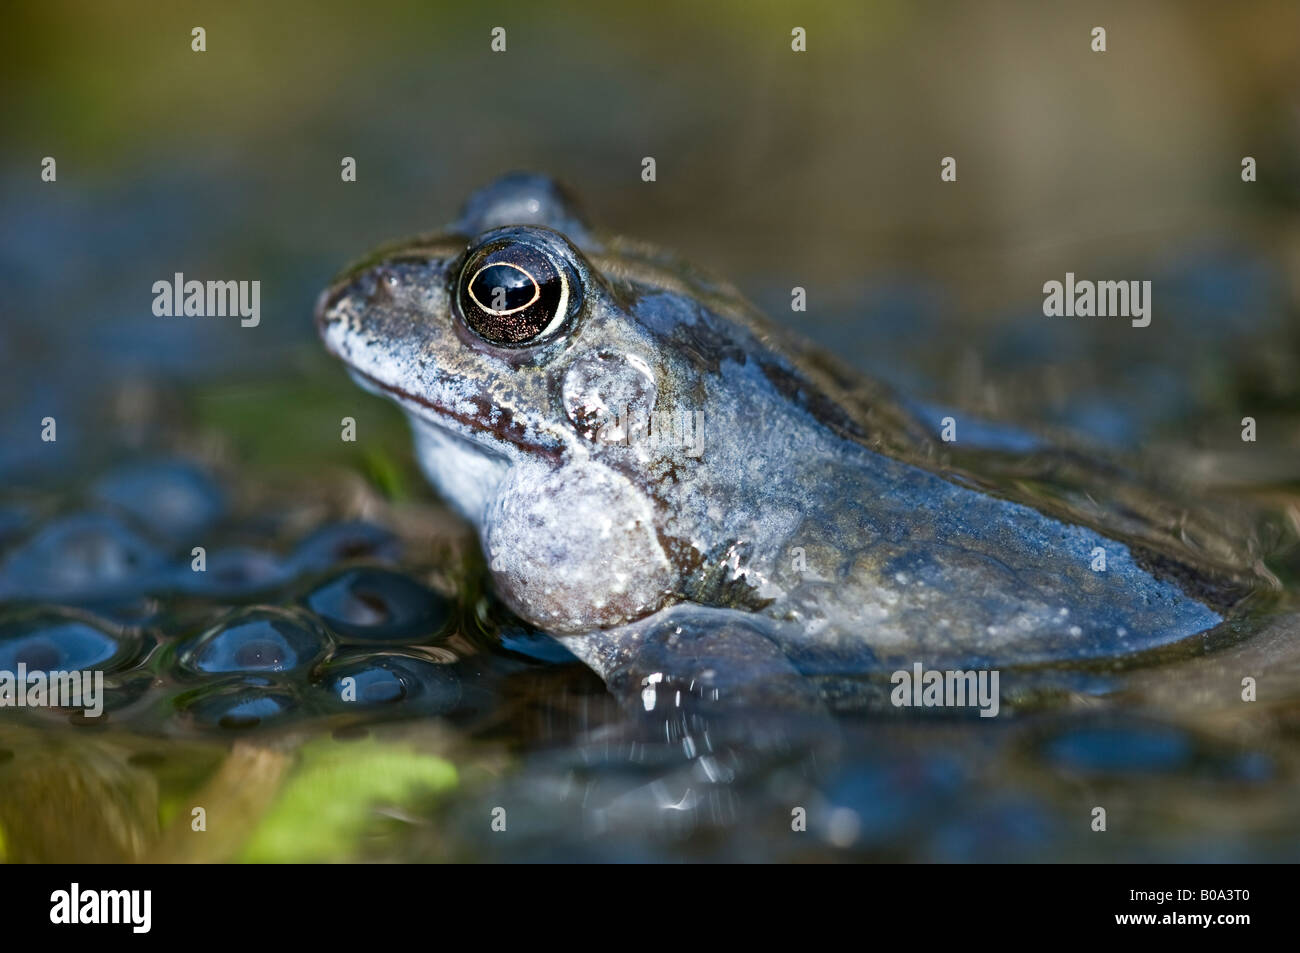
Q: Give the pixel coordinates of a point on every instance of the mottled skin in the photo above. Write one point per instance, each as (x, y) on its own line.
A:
(813, 535)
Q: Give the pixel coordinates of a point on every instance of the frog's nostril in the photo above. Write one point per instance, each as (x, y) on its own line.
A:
(381, 289)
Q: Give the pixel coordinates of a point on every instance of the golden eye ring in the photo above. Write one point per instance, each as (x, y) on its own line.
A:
(536, 292)
(537, 289)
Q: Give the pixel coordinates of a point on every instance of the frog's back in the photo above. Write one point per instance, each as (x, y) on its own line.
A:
(868, 542)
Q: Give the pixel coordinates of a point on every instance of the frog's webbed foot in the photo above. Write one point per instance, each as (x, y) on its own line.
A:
(700, 658)
(719, 733)
(712, 705)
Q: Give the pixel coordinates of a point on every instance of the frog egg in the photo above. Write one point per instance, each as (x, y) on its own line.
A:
(257, 640)
(173, 498)
(62, 642)
(232, 573)
(80, 556)
(238, 704)
(383, 679)
(378, 605)
(331, 545)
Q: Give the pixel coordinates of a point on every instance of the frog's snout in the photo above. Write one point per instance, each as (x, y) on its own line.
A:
(357, 293)
(322, 313)
(327, 316)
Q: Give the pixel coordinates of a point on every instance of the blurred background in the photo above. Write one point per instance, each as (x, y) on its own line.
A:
(774, 169)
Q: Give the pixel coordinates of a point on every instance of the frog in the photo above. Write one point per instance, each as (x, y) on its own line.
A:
(693, 498)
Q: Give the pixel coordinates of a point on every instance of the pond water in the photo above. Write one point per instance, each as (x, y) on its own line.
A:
(338, 682)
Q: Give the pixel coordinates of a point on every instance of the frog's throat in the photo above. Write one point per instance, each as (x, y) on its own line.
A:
(476, 429)
(465, 473)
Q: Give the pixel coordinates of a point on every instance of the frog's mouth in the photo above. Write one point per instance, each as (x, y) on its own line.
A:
(443, 401)
(456, 458)
(485, 425)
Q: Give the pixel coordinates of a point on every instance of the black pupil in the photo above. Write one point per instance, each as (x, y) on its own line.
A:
(511, 293)
(503, 288)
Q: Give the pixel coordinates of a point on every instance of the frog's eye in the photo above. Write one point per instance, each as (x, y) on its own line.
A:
(513, 294)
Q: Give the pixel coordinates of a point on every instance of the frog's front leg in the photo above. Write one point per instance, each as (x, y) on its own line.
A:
(573, 548)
